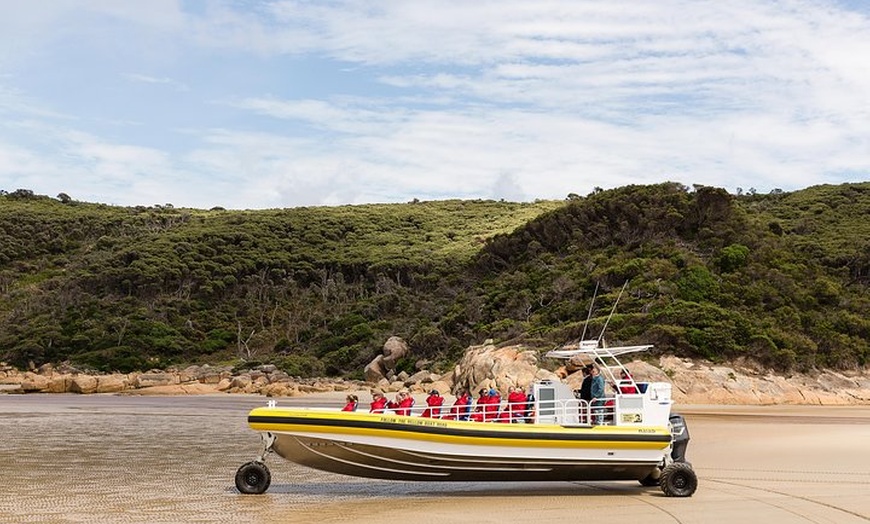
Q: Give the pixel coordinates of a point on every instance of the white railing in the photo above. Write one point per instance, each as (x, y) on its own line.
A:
(563, 412)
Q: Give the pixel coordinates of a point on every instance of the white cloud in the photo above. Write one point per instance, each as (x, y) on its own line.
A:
(349, 102)
(146, 79)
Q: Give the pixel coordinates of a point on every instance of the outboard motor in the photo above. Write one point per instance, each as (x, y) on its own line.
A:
(680, 433)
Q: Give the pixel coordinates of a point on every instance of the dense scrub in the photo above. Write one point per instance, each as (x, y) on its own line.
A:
(779, 278)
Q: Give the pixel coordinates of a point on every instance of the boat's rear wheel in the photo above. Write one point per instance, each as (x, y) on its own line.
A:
(253, 478)
(678, 480)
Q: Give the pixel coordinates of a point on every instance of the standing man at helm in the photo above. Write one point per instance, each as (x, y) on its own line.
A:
(597, 392)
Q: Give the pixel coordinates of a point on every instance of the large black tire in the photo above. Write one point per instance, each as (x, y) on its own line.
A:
(678, 480)
(253, 478)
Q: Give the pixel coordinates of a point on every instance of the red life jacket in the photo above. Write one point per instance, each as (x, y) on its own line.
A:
(378, 405)
(350, 406)
(628, 389)
(403, 407)
(490, 410)
(434, 410)
(517, 405)
(479, 408)
(625, 386)
(461, 407)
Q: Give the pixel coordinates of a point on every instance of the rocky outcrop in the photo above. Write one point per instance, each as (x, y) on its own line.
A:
(195, 380)
(488, 366)
(146, 380)
(698, 382)
(384, 365)
(375, 370)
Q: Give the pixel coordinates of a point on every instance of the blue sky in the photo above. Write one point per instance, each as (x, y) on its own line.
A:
(253, 104)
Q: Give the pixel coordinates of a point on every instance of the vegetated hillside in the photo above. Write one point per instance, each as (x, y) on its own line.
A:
(316, 289)
(780, 278)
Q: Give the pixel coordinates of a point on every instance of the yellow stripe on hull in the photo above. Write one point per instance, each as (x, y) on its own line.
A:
(441, 431)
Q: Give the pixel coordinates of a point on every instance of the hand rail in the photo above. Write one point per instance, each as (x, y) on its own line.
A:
(563, 411)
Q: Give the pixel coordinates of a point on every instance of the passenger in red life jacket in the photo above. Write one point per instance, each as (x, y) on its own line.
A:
(434, 401)
(461, 406)
(480, 406)
(379, 403)
(352, 402)
(506, 415)
(625, 384)
(492, 406)
(403, 403)
(516, 404)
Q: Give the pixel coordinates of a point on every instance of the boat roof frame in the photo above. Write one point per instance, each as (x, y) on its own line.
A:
(596, 352)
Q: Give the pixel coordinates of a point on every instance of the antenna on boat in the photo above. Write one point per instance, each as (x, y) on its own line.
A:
(589, 315)
(612, 311)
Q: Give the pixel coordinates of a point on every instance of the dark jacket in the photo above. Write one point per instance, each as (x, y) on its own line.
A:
(586, 389)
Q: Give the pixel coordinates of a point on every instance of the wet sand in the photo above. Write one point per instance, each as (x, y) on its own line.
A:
(104, 458)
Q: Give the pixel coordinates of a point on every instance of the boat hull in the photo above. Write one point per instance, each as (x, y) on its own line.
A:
(412, 448)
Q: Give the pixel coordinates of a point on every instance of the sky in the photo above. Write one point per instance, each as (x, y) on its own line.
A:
(254, 104)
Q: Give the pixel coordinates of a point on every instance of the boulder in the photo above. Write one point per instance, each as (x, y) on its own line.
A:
(278, 376)
(439, 385)
(190, 374)
(34, 383)
(59, 384)
(146, 380)
(420, 377)
(384, 365)
(83, 384)
(211, 377)
(6, 370)
(11, 388)
(281, 389)
(11, 376)
(111, 384)
(240, 382)
(574, 380)
(374, 371)
(314, 388)
(574, 364)
(490, 366)
(191, 388)
(395, 348)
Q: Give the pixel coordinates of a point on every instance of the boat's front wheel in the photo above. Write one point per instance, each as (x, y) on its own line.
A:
(678, 480)
(253, 478)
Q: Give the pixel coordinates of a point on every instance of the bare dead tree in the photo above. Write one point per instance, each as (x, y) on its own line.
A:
(244, 349)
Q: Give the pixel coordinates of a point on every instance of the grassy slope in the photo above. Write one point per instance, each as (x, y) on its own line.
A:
(781, 278)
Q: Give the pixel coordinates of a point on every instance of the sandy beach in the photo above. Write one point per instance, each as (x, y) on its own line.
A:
(755, 464)
(106, 458)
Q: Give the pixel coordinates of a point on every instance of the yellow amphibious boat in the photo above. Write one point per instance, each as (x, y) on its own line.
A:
(629, 436)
